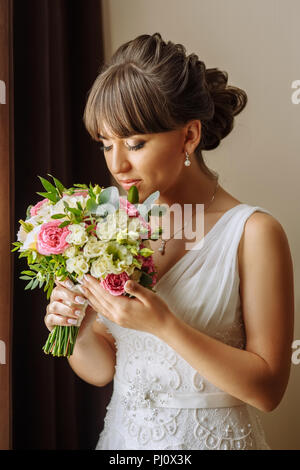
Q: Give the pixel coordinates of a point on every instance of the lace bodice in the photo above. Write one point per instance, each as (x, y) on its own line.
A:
(160, 401)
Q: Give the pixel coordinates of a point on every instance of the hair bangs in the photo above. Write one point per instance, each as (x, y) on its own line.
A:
(123, 103)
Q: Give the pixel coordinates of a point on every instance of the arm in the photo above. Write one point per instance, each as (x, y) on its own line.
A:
(259, 374)
(94, 355)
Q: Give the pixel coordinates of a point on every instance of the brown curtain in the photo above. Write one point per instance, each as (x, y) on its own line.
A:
(58, 49)
(7, 217)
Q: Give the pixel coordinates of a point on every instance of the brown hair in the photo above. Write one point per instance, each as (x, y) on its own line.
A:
(151, 86)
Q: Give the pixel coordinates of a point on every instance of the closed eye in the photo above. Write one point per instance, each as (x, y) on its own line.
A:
(135, 147)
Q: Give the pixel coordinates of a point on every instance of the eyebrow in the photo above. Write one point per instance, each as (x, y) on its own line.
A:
(107, 138)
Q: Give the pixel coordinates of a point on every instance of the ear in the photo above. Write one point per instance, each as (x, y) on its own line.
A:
(192, 135)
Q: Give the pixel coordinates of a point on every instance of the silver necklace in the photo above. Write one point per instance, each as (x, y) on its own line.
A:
(162, 248)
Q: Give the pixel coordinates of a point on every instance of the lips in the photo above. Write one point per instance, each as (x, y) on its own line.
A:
(126, 184)
(129, 181)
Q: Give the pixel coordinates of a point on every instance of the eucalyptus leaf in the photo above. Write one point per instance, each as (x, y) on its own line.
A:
(105, 209)
(110, 195)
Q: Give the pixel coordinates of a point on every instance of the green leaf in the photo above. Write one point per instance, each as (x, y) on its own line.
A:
(74, 211)
(47, 185)
(26, 278)
(91, 205)
(58, 184)
(53, 197)
(64, 224)
(84, 186)
(58, 216)
(35, 283)
(29, 273)
(29, 285)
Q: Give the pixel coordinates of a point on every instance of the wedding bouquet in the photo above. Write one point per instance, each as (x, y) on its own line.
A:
(85, 229)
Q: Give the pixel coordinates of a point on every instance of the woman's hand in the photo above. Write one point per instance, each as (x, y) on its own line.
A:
(146, 312)
(66, 306)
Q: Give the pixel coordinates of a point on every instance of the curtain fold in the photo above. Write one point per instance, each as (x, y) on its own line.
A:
(58, 49)
(7, 218)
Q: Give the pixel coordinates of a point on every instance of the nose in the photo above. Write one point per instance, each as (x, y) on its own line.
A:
(119, 162)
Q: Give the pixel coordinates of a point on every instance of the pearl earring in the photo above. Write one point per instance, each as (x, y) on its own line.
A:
(187, 161)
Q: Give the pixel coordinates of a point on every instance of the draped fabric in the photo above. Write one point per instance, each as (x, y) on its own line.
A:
(7, 217)
(159, 400)
(58, 50)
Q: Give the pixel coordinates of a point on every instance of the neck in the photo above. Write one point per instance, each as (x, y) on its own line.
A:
(192, 187)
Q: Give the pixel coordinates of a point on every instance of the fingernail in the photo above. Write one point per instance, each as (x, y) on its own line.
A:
(85, 277)
(72, 321)
(77, 312)
(79, 299)
(81, 289)
(69, 284)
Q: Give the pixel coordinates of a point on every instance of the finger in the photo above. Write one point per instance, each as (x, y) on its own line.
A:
(53, 319)
(96, 298)
(64, 310)
(139, 291)
(99, 306)
(62, 293)
(95, 286)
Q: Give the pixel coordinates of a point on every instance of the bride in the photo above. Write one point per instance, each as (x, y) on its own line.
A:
(193, 361)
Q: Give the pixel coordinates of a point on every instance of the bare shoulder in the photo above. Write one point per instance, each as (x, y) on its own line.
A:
(262, 231)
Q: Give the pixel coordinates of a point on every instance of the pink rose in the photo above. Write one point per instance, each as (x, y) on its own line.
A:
(130, 209)
(146, 225)
(148, 266)
(51, 239)
(114, 283)
(34, 210)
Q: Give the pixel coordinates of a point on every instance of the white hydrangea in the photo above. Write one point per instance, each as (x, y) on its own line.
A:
(78, 235)
(78, 264)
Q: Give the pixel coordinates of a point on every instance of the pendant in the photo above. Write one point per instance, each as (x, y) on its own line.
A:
(162, 247)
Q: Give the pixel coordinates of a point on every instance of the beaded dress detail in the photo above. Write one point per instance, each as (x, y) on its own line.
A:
(159, 401)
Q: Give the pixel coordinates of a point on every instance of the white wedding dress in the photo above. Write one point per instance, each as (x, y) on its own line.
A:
(159, 401)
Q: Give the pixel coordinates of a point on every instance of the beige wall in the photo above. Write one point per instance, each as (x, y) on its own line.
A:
(257, 43)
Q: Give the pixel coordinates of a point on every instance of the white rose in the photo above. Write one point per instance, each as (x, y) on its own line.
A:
(31, 239)
(78, 235)
(93, 247)
(103, 266)
(71, 252)
(78, 264)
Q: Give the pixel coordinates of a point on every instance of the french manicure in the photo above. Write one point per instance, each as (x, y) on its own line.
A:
(69, 284)
(72, 321)
(77, 312)
(81, 289)
(79, 300)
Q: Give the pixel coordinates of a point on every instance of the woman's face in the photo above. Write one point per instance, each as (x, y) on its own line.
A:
(156, 160)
